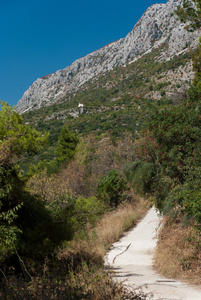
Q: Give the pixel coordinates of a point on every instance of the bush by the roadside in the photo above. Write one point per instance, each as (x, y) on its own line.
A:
(111, 188)
(142, 176)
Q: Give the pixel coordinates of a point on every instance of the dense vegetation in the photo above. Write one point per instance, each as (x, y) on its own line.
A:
(61, 192)
(54, 228)
(172, 141)
(113, 104)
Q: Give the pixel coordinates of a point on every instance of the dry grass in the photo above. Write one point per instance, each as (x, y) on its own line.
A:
(79, 273)
(94, 246)
(114, 224)
(178, 254)
(85, 283)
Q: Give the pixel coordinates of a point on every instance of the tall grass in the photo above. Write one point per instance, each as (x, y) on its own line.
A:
(95, 243)
(178, 253)
(77, 271)
(85, 283)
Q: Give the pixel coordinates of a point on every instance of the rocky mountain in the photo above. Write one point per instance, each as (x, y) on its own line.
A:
(159, 25)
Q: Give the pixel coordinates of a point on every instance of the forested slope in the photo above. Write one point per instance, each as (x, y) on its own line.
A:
(62, 192)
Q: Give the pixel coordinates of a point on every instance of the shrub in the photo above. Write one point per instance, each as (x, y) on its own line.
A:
(74, 213)
(142, 176)
(185, 198)
(88, 210)
(111, 188)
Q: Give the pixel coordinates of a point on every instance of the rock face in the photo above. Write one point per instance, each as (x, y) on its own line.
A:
(157, 26)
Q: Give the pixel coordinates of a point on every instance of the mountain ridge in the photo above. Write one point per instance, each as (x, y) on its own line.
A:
(157, 26)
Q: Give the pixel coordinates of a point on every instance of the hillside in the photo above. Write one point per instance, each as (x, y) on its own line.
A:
(118, 102)
(157, 27)
(119, 85)
(102, 154)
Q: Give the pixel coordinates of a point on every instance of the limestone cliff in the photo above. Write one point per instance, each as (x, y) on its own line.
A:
(157, 26)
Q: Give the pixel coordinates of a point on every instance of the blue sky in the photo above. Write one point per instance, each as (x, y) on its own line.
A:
(38, 37)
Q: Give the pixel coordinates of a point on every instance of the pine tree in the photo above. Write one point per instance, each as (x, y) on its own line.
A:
(66, 146)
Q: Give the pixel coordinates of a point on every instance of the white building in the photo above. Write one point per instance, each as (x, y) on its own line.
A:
(81, 108)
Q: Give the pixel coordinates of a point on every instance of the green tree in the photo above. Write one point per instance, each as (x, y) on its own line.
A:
(88, 210)
(142, 176)
(176, 134)
(66, 146)
(15, 139)
(111, 188)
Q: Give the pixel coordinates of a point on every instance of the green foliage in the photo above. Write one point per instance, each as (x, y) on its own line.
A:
(190, 12)
(161, 85)
(40, 232)
(107, 110)
(62, 211)
(51, 166)
(197, 68)
(8, 207)
(66, 146)
(142, 176)
(25, 223)
(19, 212)
(16, 136)
(51, 160)
(75, 214)
(8, 230)
(173, 142)
(88, 210)
(185, 198)
(175, 134)
(111, 188)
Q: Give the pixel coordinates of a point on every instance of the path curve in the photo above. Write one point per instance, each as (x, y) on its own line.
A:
(132, 259)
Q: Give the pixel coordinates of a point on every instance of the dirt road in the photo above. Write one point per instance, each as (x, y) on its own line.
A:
(132, 259)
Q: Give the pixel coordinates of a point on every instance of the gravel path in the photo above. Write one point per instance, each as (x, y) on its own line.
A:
(132, 258)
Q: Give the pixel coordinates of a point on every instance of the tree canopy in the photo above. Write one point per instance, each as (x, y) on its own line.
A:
(66, 146)
(15, 139)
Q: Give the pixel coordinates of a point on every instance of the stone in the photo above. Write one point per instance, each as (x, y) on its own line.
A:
(158, 25)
